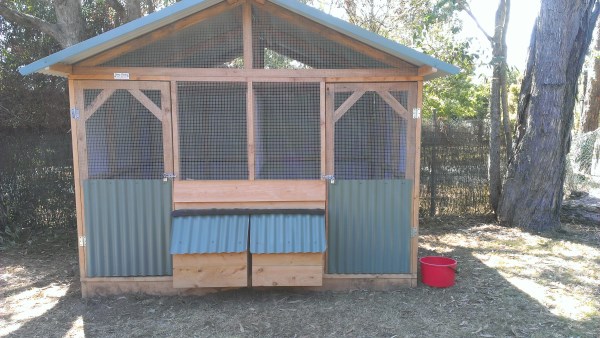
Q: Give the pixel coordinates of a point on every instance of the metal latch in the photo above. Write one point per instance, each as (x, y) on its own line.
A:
(414, 232)
(74, 113)
(168, 176)
(416, 113)
(331, 178)
(82, 241)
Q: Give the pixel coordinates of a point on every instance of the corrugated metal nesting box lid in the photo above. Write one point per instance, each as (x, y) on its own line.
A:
(287, 233)
(209, 234)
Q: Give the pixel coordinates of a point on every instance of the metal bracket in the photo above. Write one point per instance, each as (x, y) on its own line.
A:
(75, 113)
(331, 178)
(82, 241)
(414, 232)
(416, 113)
(168, 176)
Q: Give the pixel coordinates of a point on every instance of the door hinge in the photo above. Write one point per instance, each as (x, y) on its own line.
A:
(330, 178)
(75, 113)
(416, 113)
(414, 232)
(168, 176)
(82, 241)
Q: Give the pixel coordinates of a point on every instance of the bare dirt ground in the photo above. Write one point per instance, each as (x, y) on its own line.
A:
(511, 283)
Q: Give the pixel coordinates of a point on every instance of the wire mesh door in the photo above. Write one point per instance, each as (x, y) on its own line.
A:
(124, 150)
(371, 138)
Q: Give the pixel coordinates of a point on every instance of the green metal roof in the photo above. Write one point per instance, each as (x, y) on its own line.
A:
(141, 26)
(287, 233)
(209, 234)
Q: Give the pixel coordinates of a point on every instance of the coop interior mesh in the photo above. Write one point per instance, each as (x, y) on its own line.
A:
(124, 139)
(287, 131)
(212, 43)
(370, 138)
(212, 130)
(280, 44)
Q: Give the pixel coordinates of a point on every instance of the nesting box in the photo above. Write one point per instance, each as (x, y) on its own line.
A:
(287, 249)
(210, 251)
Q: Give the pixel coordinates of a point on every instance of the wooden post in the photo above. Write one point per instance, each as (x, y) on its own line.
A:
(250, 131)
(247, 28)
(417, 163)
(73, 102)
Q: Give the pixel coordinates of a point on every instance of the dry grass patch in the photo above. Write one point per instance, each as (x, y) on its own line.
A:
(511, 283)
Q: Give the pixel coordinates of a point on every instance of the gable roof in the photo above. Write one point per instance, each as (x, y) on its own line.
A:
(180, 10)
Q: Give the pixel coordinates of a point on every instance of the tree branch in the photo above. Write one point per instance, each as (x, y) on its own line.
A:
(30, 21)
(118, 8)
(468, 11)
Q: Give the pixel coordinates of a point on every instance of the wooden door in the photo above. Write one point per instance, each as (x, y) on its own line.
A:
(371, 156)
(124, 146)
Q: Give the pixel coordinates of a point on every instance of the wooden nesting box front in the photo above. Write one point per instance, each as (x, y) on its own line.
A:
(210, 250)
(287, 249)
(210, 270)
(292, 269)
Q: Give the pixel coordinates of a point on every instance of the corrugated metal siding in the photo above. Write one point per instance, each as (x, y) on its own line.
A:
(369, 226)
(281, 233)
(210, 234)
(128, 227)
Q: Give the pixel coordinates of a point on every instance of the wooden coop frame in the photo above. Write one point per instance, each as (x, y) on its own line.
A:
(94, 81)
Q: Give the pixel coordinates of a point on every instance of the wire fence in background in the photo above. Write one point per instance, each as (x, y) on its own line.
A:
(36, 186)
(454, 159)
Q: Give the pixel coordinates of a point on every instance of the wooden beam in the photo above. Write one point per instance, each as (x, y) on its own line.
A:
(175, 128)
(146, 102)
(343, 108)
(248, 191)
(394, 104)
(416, 94)
(250, 118)
(60, 69)
(135, 72)
(97, 103)
(247, 36)
(167, 127)
(158, 34)
(250, 205)
(330, 128)
(426, 70)
(73, 102)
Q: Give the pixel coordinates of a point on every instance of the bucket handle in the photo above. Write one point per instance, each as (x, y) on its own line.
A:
(455, 269)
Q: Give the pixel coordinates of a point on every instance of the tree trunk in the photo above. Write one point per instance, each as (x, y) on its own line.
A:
(498, 102)
(68, 29)
(502, 16)
(533, 190)
(589, 115)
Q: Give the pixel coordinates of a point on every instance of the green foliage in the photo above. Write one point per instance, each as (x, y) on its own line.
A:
(36, 101)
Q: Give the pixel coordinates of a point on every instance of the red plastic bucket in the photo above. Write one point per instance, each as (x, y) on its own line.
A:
(437, 271)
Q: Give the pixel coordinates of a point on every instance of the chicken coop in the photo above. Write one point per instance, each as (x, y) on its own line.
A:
(244, 143)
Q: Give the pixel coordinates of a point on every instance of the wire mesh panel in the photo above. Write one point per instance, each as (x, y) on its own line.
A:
(212, 131)
(279, 43)
(124, 139)
(213, 43)
(287, 129)
(370, 138)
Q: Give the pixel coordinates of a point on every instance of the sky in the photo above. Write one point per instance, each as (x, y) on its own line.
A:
(522, 17)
